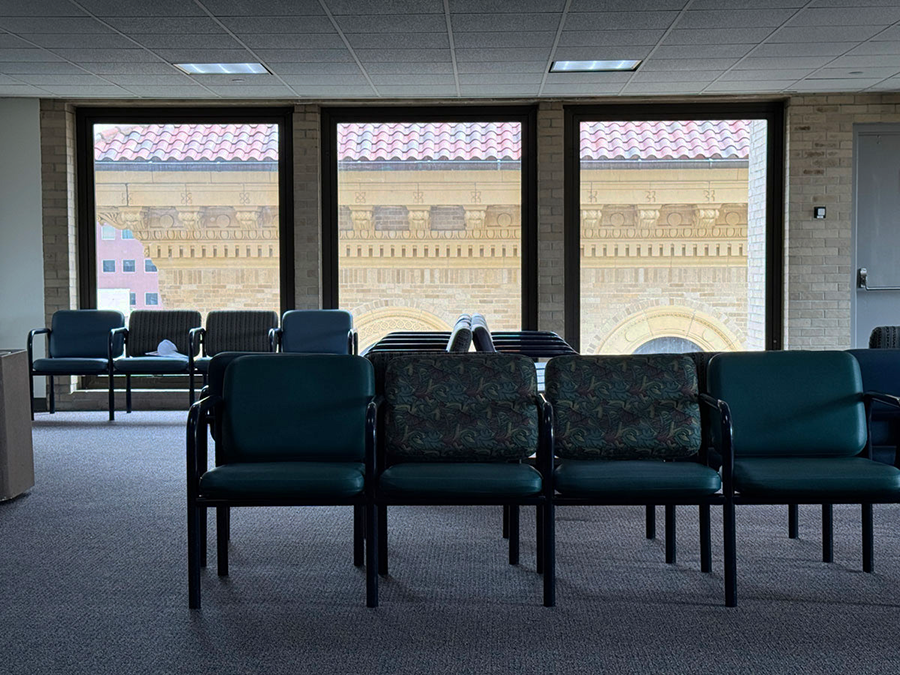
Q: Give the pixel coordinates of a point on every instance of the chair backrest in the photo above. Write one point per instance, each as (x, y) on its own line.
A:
(880, 370)
(885, 337)
(301, 407)
(624, 407)
(84, 333)
(481, 335)
(238, 331)
(461, 335)
(791, 403)
(147, 328)
(460, 408)
(316, 331)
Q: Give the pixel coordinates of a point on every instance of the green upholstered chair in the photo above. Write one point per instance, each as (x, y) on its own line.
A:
(627, 431)
(793, 430)
(284, 438)
(316, 331)
(146, 329)
(456, 430)
(79, 342)
(234, 331)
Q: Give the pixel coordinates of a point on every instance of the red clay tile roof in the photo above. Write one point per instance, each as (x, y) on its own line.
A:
(433, 141)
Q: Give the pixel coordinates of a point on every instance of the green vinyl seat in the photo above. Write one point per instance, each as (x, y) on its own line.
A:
(154, 365)
(80, 365)
(284, 480)
(636, 480)
(840, 479)
(461, 480)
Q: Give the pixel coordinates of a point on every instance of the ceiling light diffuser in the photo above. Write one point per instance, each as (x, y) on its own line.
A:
(594, 66)
(222, 68)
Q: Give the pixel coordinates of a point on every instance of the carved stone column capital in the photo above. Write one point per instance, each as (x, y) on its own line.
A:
(475, 217)
(189, 218)
(248, 219)
(419, 220)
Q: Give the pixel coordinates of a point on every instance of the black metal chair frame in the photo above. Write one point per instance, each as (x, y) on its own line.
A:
(195, 346)
(51, 395)
(732, 499)
(546, 551)
(199, 417)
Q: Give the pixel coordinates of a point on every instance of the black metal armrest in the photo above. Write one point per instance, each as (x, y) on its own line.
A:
(275, 338)
(196, 336)
(352, 342)
(121, 330)
(890, 399)
(546, 444)
(31, 334)
(372, 459)
(197, 442)
(726, 449)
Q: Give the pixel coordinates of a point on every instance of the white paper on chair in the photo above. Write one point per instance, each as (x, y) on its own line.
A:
(168, 349)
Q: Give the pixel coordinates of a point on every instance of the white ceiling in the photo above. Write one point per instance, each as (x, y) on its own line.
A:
(338, 49)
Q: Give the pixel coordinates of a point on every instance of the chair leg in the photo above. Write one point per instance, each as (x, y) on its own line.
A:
(506, 521)
(539, 522)
(549, 522)
(670, 534)
(705, 540)
(51, 395)
(191, 389)
(227, 522)
(203, 519)
(382, 541)
(193, 556)
(728, 527)
(222, 540)
(793, 521)
(359, 533)
(827, 533)
(112, 398)
(514, 534)
(372, 556)
(651, 521)
(128, 393)
(868, 538)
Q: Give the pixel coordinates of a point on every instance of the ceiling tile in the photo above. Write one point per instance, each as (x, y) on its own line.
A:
(581, 90)
(182, 41)
(347, 79)
(417, 91)
(26, 68)
(847, 16)
(400, 68)
(31, 24)
(677, 75)
(620, 20)
(609, 38)
(277, 25)
(336, 92)
(588, 78)
(712, 51)
(892, 84)
(627, 5)
(704, 5)
(500, 23)
(42, 8)
(26, 55)
(234, 55)
(336, 69)
(82, 79)
(262, 7)
(90, 92)
(766, 74)
(859, 73)
(891, 34)
(507, 7)
(503, 67)
(80, 41)
(239, 91)
(499, 78)
(493, 90)
(688, 64)
(13, 42)
(393, 23)
(875, 48)
(753, 63)
(149, 80)
(437, 79)
(790, 49)
(748, 87)
(590, 53)
(234, 80)
(278, 56)
(123, 68)
(21, 90)
(855, 62)
(402, 55)
(833, 85)
(354, 7)
(502, 54)
(718, 36)
(523, 40)
(295, 41)
(103, 8)
(664, 88)
(825, 34)
(734, 18)
(170, 91)
(181, 25)
(410, 40)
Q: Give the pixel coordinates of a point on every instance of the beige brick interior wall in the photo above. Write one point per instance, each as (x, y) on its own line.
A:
(551, 285)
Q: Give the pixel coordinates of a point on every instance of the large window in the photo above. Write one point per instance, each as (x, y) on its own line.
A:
(673, 242)
(429, 218)
(198, 197)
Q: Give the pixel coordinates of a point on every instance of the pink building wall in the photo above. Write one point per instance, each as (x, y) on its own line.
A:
(138, 282)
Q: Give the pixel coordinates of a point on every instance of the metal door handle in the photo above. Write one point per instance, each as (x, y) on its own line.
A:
(862, 282)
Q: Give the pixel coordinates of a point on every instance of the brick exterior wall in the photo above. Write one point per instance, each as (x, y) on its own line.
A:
(819, 275)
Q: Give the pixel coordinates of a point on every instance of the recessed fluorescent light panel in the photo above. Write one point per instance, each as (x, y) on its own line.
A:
(593, 66)
(222, 68)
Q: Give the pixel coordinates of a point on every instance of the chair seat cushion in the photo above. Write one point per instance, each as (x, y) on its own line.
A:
(284, 480)
(461, 479)
(202, 363)
(828, 478)
(151, 365)
(635, 479)
(71, 365)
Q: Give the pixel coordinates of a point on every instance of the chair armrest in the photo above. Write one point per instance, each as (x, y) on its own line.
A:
(890, 399)
(31, 334)
(275, 338)
(546, 444)
(197, 442)
(112, 342)
(727, 441)
(196, 336)
(870, 397)
(352, 342)
(372, 463)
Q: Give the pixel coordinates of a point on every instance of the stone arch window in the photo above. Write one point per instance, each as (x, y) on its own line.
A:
(668, 345)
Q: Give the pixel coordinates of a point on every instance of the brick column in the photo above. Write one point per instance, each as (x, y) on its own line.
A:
(551, 284)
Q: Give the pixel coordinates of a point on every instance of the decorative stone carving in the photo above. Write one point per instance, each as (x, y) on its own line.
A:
(363, 221)
(647, 220)
(475, 218)
(705, 219)
(190, 219)
(419, 220)
(247, 218)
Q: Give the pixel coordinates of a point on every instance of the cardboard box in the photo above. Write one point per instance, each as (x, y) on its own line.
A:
(16, 450)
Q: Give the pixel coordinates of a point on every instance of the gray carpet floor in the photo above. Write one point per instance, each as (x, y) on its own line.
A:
(93, 579)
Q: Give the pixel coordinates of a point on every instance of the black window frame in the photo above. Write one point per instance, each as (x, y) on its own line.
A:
(87, 116)
(771, 111)
(526, 115)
